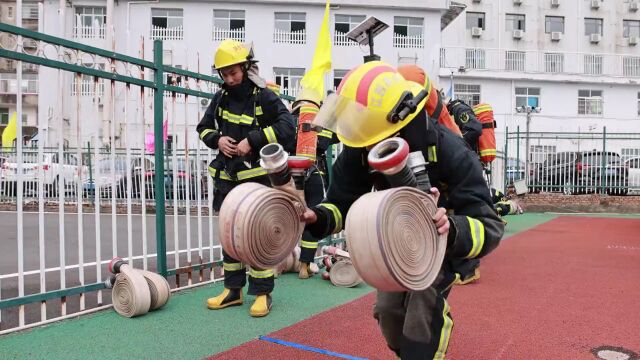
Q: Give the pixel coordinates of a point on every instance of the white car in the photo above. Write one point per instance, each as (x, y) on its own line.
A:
(634, 173)
(52, 173)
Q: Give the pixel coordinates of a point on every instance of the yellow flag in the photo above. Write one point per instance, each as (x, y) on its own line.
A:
(10, 132)
(313, 81)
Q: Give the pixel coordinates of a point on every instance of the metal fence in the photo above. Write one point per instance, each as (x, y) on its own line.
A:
(573, 163)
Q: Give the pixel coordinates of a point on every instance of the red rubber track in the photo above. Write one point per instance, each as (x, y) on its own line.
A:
(557, 291)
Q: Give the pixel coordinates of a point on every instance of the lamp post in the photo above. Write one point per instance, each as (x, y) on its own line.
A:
(527, 110)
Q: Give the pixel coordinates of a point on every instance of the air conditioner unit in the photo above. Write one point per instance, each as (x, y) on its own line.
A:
(633, 6)
(476, 32)
(634, 40)
(518, 34)
(556, 36)
(204, 102)
(517, 2)
(555, 3)
(595, 4)
(595, 38)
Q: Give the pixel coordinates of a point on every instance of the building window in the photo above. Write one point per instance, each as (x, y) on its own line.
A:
(470, 94)
(4, 116)
(290, 28)
(639, 103)
(9, 83)
(515, 60)
(30, 11)
(474, 59)
(631, 65)
(10, 12)
(167, 24)
(553, 24)
(288, 79)
(338, 75)
(475, 19)
(553, 62)
(515, 22)
(344, 24)
(228, 24)
(408, 32)
(627, 153)
(630, 28)
(590, 102)
(592, 26)
(527, 97)
(90, 22)
(538, 153)
(592, 64)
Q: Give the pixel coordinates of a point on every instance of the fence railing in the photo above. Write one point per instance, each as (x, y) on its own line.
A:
(340, 39)
(574, 163)
(222, 34)
(533, 61)
(403, 41)
(172, 33)
(89, 32)
(289, 37)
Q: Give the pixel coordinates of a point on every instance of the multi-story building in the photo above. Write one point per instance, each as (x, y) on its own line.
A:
(283, 34)
(8, 76)
(577, 60)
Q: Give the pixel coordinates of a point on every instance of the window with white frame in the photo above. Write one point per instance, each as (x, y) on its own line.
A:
(29, 11)
(627, 153)
(468, 93)
(526, 96)
(590, 102)
(553, 62)
(290, 28)
(475, 19)
(631, 66)
(228, 24)
(288, 79)
(10, 12)
(515, 60)
(553, 24)
(515, 22)
(630, 28)
(167, 24)
(593, 64)
(9, 83)
(638, 103)
(90, 22)
(338, 75)
(592, 26)
(408, 32)
(344, 24)
(474, 59)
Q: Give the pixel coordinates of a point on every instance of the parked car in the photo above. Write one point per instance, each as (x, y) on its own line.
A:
(581, 172)
(179, 174)
(52, 171)
(634, 173)
(112, 173)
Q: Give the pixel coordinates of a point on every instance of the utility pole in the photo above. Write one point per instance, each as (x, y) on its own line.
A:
(528, 110)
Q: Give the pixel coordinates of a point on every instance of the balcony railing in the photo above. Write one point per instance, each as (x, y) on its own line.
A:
(222, 34)
(616, 65)
(289, 37)
(340, 39)
(86, 88)
(89, 32)
(173, 33)
(402, 41)
(9, 85)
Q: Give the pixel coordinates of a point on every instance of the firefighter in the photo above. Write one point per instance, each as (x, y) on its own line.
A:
(242, 117)
(415, 324)
(315, 187)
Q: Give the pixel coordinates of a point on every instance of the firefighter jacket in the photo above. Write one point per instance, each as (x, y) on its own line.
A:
(475, 228)
(245, 112)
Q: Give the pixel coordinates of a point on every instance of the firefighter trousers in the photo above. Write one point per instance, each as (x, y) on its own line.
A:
(416, 324)
(261, 281)
(314, 189)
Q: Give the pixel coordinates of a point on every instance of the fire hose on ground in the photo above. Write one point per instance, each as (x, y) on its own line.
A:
(136, 292)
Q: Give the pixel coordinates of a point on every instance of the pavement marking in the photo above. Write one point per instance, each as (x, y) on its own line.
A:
(309, 348)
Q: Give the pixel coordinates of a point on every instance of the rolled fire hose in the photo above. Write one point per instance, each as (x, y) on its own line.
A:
(136, 292)
(344, 274)
(259, 225)
(393, 242)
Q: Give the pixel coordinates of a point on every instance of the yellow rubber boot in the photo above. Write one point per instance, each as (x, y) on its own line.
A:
(470, 279)
(229, 297)
(304, 272)
(261, 306)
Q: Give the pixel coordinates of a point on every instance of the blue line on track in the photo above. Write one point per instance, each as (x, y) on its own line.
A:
(309, 348)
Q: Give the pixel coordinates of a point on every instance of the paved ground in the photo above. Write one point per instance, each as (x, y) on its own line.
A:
(185, 329)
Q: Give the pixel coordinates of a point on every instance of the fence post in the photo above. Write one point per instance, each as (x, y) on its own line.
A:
(506, 159)
(518, 149)
(603, 162)
(90, 173)
(158, 102)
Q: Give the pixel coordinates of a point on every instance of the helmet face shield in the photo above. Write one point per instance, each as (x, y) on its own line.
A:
(359, 125)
